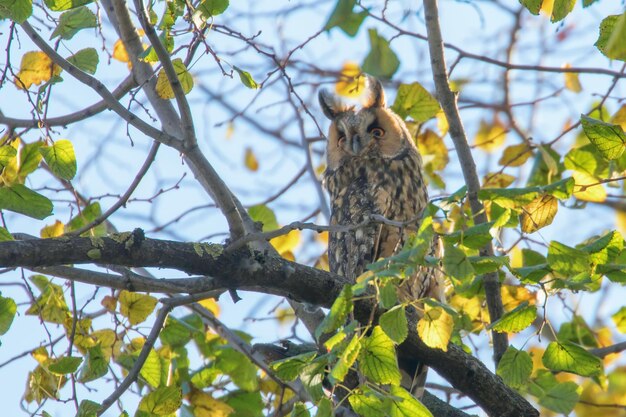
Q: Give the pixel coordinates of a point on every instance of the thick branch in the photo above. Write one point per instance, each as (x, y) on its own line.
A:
(457, 132)
(257, 271)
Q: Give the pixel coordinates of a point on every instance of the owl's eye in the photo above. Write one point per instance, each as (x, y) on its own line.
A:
(377, 132)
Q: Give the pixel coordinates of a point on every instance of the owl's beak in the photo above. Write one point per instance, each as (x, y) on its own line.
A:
(356, 144)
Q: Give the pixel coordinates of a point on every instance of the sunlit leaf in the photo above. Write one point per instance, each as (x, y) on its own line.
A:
(162, 401)
(456, 264)
(208, 9)
(377, 359)
(60, 158)
(7, 313)
(73, 21)
(572, 81)
(516, 320)
(136, 307)
(568, 357)
(345, 361)
(95, 366)
(415, 101)
(435, 327)
(289, 369)
(490, 136)
(246, 78)
(338, 314)
(433, 150)
(163, 86)
(619, 318)
(264, 215)
(608, 138)
(35, 68)
(287, 242)
(240, 369)
(351, 81)
(5, 236)
(406, 405)
(25, 201)
(515, 155)
(250, 160)
(539, 213)
(567, 260)
(394, 323)
(60, 5)
(65, 365)
(515, 367)
(368, 403)
(611, 39)
(561, 9)
(588, 188)
(381, 61)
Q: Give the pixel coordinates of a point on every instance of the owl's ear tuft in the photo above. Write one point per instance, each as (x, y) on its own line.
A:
(376, 93)
(331, 106)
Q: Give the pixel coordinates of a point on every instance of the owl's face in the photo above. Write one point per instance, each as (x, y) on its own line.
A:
(370, 132)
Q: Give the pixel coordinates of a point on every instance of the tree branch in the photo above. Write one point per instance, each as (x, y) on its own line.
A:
(257, 271)
(457, 132)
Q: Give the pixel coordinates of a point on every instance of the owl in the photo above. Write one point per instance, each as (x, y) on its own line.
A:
(374, 168)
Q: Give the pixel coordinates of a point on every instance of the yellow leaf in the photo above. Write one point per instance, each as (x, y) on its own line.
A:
(288, 255)
(587, 188)
(433, 150)
(53, 230)
(211, 305)
(547, 6)
(621, 221)
(572, 82)
(619, 118)
(108, 341)
(36, 67)
(516, 257)
(109, 302)
(322, 262)
(322, 237)
(515, 155)
(119, 52)
(287, 242)
(41, 355)
(490, 136)
(497, 180)
(442, 123)
(351, 82)
(606, 339)
(539, 213)
(206, 406)
(230, 130)
(136, 307)
(285, 316)
(250, 160)
(435, 328)
(319, 170)
(163, 86)
(513, 295)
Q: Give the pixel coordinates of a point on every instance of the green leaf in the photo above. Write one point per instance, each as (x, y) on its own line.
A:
(608, 138)
(474, 237)
(515, 367)
(435, 327)
(164, 87)
(25, 201)
(533, 6)
(151, 369)
(509, 197)
(338, 313)
(95, 366)
(30, 158)
(516, 320)
(561, 397)
(289, 369)
(86, 216)
(150, 55)
(73, 21)
(533, 273)
(7, 313)
(65, 365)
(324, 408)
(606, 248)
(344, 17)
(240, 369)
(245, 404)
(178, 331)
(378, 360)
(405, 405)
(60, 5)
(16, 10)
(208, 9)
(246, 78)
(568, 357)
(86, 60)
(368, 403)
(568, 261)
(394, 323)
(136, 307)
(347, 358)
(388, 294)
(60, 158)
(614, 272)
(415, 101)
(162, 401)
(561, 9)
(88, 408)
(265, 215)
(312, 376)
(7, 153)
(300, 410)
(456, 264)
(381, 61)
(611, 39)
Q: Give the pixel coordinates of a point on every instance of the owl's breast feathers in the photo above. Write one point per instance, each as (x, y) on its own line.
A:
(391, 187)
